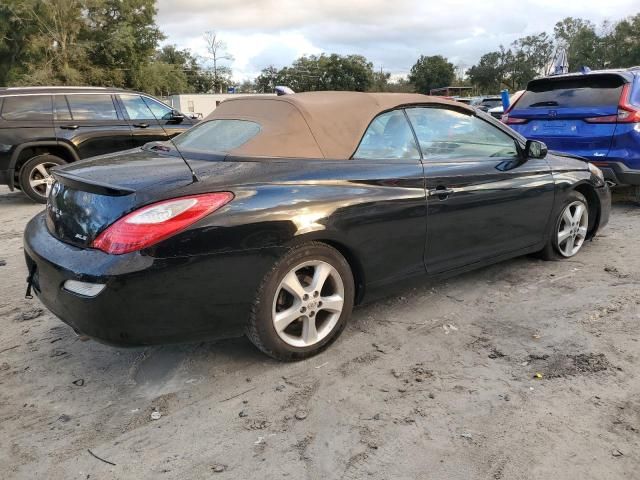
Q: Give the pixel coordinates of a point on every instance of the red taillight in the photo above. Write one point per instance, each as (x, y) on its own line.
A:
(605, 119)
(151, 224)
(627, 113)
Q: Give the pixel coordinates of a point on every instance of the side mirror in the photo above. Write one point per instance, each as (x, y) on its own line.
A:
(535, 149)
(176, 115)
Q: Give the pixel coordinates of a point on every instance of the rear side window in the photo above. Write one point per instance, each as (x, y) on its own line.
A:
(135, 107)
(28, 107)
(139, 108)
(160, 110)
(587, 91)
(217, 135)
(388, 137)
(92, 107)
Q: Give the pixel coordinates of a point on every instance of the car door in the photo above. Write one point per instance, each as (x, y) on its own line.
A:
(391, 212)
(484, 199)
(92, 123)
(151, 120)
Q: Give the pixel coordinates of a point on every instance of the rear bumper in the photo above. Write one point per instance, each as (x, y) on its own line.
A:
(146, 300)
(619, 173)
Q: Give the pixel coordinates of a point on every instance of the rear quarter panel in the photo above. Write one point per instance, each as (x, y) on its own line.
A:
(376, 211)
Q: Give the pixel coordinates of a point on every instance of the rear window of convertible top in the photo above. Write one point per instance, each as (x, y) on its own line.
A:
(219, 136)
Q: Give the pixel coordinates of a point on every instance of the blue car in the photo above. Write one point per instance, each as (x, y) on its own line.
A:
(595, 115)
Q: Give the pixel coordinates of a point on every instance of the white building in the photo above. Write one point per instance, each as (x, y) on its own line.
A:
(202, 104)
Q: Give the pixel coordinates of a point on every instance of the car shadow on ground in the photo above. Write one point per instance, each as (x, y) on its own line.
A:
(157, 368)
(153, 368)
(15, 198)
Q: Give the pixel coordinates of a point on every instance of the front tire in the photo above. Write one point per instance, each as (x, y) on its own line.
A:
(569, 229)
(35, 178)
(303, 304)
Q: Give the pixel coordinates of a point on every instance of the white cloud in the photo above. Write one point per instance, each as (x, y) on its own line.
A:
(392, 34)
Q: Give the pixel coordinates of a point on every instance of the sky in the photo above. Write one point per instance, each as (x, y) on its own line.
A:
(390, 33)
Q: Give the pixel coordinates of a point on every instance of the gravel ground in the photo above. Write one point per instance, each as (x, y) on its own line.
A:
(439, 383)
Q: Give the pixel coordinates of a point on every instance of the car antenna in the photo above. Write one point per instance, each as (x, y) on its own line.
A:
(194, 177)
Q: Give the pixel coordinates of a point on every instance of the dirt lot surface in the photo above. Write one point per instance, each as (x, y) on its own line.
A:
(439, 383)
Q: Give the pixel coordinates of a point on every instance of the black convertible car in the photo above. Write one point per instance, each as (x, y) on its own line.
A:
(275, 215)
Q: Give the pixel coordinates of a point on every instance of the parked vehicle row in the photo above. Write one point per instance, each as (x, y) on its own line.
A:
(595, 115)
(275, 216)
(41, 127)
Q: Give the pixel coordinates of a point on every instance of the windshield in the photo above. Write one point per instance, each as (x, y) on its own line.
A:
(587, 91)
(219, 136)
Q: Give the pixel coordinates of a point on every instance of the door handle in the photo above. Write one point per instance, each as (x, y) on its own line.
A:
(441, 192)
(69, 127)
(141, 125)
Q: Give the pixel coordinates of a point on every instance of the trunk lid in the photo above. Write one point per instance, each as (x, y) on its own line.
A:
(88, 196)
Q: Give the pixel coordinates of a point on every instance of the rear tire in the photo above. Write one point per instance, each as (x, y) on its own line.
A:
(303, 303)
(569, 229)
(35, 178)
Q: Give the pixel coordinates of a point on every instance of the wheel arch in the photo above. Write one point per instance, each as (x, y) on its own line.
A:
(32, 149)
(346, 251)
(593, 202)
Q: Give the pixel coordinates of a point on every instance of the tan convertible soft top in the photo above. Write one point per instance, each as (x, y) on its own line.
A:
(314, 124)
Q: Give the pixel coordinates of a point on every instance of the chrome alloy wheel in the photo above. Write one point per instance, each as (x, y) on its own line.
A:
(572, 230)
(40, 179)
(308, 303)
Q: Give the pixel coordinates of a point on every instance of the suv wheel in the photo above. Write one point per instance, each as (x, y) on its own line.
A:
(35, 178)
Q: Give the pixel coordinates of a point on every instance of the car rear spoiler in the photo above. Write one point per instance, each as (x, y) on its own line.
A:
(91, 186)
(625, 77)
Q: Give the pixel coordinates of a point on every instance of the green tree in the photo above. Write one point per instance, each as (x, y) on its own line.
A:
(161, 79)
(320, 72)
(380, 81)
(490, 71)
(623, 44)
(266, 81)
(349, 72)
(15, 31)
(584, 46)
(530, 56)
(198, 80)
(400, 85)
(76, 42)
(514, 67)
(122, 39)
(431, 72)
(43, 41)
